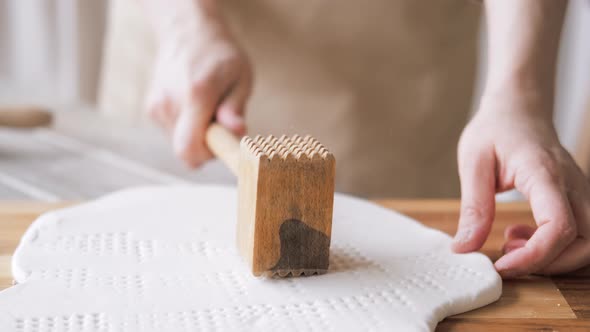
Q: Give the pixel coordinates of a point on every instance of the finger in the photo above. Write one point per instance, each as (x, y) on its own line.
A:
(164, 113)
(189, 132)
(154, 104)
(519, 231)
(155, 112)
(231, 121)
(231, 111)
(170, 114)
(556, 227)
(516, 236)
(478, 188)
(577, 254)
(205, 96)
(513, 244)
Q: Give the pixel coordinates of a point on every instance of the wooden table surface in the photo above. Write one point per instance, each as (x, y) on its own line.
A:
(529, 304)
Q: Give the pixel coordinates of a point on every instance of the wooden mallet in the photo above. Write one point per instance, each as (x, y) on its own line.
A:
(286, 195)
(23, 116)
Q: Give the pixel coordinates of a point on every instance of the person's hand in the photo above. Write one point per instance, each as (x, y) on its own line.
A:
(511, 143)
(200, 74)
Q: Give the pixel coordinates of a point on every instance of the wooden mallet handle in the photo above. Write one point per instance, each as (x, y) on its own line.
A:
(224, 145)
(24, 116)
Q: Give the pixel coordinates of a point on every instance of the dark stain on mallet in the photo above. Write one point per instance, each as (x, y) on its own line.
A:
(302, 248)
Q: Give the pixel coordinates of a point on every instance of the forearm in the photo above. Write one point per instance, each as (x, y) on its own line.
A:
(173, 18)
(523, 45)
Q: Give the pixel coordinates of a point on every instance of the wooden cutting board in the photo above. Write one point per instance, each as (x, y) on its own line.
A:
(533, 303)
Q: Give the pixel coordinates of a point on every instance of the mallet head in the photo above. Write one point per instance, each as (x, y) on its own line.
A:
(286, 195)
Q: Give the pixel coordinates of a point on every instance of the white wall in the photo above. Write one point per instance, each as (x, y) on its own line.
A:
(50, 51)
(573, 81)
(4, 33)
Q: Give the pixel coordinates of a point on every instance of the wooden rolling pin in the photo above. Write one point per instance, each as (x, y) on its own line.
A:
(24, 116)
(286, 195)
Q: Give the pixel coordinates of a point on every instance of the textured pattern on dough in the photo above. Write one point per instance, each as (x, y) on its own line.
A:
(164, 259)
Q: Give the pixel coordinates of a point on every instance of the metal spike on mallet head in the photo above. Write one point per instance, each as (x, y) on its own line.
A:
(286, 195)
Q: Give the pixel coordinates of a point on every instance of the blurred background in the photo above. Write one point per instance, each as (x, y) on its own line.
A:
(74, 57)
(56, 54)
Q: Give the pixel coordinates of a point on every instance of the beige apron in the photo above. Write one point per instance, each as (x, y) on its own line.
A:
(385, 84)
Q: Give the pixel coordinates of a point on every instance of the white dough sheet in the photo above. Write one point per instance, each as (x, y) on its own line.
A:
(165, 259)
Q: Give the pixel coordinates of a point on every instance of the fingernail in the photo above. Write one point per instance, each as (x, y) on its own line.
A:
(463, 235)
(504, 269)
(182, 135)
(231, 120)
(237, 122)
(236, 119)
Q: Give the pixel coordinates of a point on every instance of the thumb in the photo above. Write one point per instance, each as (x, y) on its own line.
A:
(478, 189)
